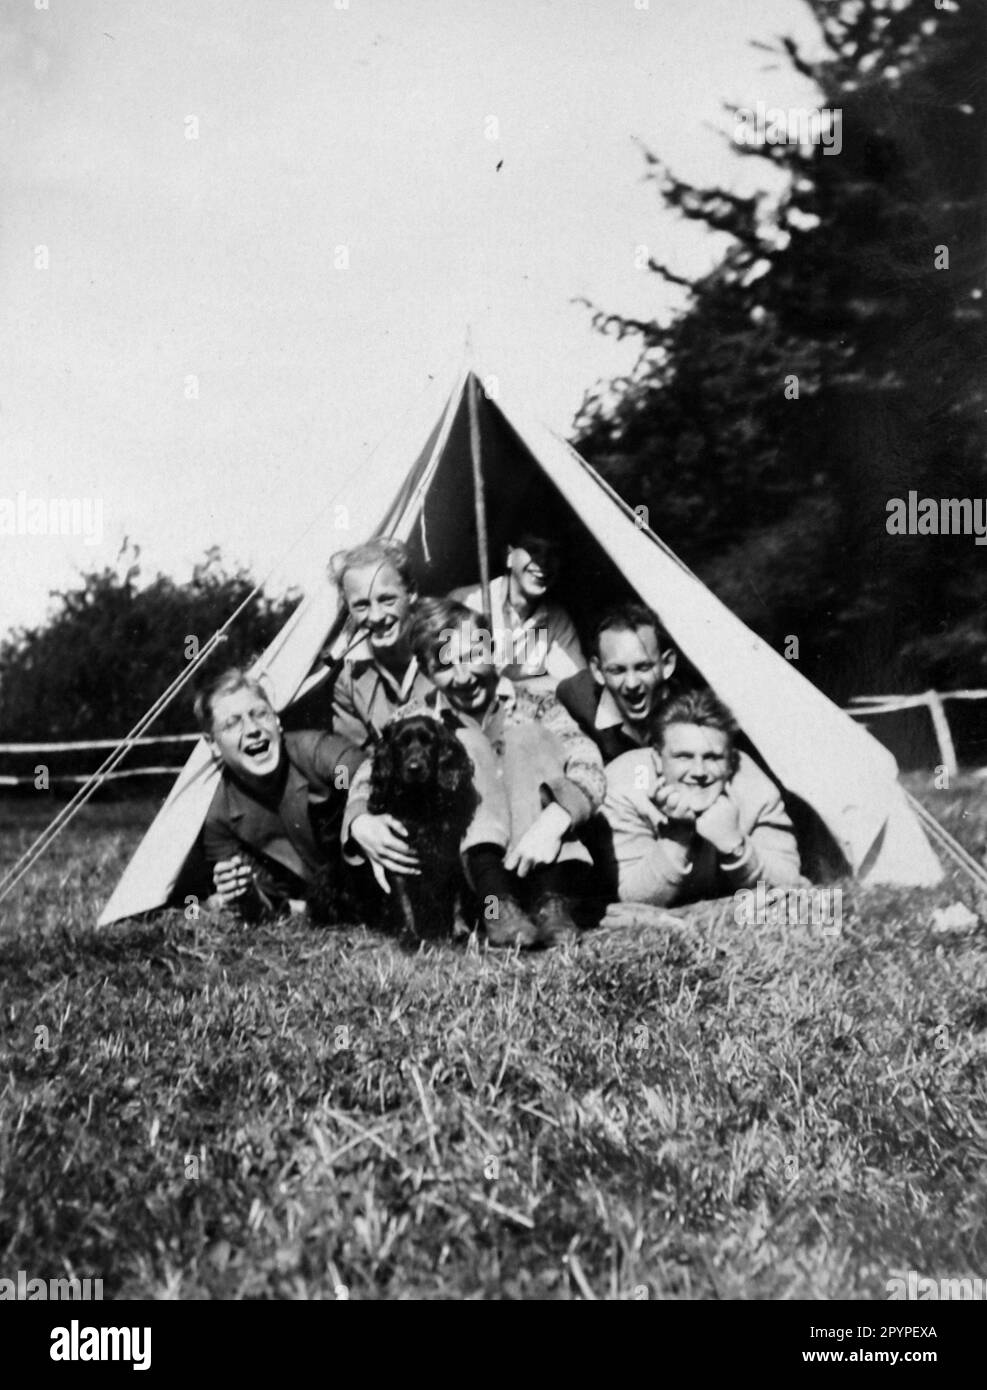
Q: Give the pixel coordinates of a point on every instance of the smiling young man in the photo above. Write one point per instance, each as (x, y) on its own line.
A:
(692, 817)
(275, 816)
(534, 639)
(538, 780)
(376, 583)
(615, 702)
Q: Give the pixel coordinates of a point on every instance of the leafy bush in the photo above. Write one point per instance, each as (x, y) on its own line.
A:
(113, 644)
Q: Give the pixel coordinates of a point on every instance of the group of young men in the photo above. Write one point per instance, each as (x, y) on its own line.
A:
(593, 780)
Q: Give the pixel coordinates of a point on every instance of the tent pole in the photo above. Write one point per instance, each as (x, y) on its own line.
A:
(479, 502)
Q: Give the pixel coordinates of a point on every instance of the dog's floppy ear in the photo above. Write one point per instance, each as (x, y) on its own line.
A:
(454, 766)
(382, 772)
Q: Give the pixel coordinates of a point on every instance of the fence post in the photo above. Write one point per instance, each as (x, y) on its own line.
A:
(947, 753)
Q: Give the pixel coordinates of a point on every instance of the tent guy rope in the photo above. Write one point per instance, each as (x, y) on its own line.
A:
(949, 845)
(68, 813)
(36, 849)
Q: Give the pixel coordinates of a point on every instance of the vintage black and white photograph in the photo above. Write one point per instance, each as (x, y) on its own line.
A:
(493, 657)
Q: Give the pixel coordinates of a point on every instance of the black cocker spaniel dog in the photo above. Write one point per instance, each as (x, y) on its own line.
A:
(422, 775)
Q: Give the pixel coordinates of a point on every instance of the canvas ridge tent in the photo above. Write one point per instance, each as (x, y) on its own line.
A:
(813, 749)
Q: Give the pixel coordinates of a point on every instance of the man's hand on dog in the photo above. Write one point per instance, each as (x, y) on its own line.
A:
(384, 841)
(232, 877)
(540, 843)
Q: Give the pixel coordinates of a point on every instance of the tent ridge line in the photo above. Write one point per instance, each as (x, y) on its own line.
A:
(421, 487)
(627, 509)
(759, 643)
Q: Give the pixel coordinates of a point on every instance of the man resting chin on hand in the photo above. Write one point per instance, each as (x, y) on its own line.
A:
(694, 818)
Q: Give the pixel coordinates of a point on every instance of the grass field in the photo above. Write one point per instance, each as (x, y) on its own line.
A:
(202, 1110)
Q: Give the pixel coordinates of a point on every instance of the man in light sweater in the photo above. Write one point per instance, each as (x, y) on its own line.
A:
(692, 817)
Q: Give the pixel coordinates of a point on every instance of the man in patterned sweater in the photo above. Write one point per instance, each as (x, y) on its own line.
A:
(538, 777)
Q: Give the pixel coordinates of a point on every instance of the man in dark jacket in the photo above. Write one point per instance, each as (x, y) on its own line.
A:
(631, 664)
(615, 702)
(275, 817)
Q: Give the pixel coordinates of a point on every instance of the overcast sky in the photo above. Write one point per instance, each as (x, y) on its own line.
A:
(376, 126)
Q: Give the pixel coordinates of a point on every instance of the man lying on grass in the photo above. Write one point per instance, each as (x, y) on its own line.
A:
(693, 817)
(274, 819)
(538, 779)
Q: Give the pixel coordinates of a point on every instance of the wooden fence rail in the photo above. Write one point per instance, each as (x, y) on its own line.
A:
(860, 707)
(94, 744)
(864, 706)
(82, 778)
